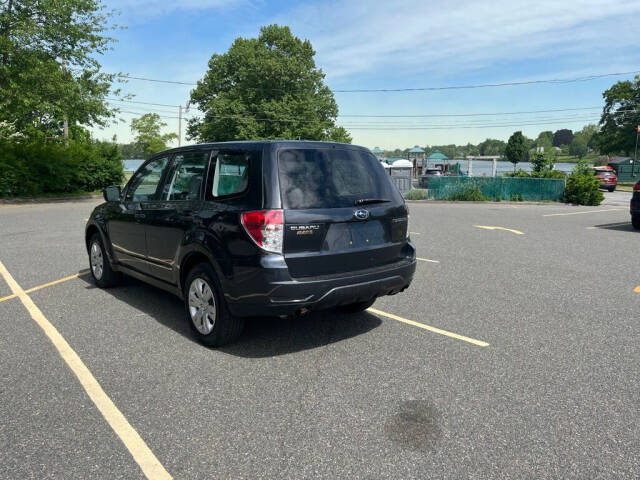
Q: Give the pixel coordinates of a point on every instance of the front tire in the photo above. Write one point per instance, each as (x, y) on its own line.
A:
(205, 309)
(356, 307)
(103, 275)
(612, 189)
(635, 221)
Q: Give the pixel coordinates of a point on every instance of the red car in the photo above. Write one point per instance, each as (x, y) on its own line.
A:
(608, 178)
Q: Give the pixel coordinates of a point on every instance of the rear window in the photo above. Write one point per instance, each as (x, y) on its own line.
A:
(331, 178)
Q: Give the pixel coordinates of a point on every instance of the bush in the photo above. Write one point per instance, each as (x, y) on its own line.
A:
(582, 187)
(416, 194)
(517, 197)
(520, 173)
(469, 194)
(35, 168)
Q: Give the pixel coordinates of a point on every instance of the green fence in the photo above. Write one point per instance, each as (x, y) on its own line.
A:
(504, 188)
(625, 173)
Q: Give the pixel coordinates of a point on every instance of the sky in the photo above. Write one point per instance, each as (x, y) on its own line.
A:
(393, 45)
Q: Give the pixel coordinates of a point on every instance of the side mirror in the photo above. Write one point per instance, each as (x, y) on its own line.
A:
(112, 193)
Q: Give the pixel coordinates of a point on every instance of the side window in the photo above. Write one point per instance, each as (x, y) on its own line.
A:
(185, 180)
(144, 186)
(231, 173)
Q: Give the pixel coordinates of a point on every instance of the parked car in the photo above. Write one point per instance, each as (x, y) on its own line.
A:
(429, 173)
(256, 229)
(607, 176)
(635, 206)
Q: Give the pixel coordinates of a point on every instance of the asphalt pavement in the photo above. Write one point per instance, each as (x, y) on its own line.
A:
(554, 394)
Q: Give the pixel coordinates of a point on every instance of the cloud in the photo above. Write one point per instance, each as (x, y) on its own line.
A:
(444, 37)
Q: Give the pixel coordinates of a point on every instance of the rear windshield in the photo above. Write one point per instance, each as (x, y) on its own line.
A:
(331, 178)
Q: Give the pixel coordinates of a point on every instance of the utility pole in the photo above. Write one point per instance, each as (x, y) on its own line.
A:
(65, 120)
(180, 121)
(179, 125)
(635, 155)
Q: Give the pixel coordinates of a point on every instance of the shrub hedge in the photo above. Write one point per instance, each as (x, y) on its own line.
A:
(35, 168)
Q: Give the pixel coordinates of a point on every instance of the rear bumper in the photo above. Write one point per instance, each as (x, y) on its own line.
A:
(286, 296)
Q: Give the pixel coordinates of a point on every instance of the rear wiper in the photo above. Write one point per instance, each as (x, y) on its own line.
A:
(365, 201)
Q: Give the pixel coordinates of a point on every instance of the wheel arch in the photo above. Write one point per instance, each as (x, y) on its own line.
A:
(190, 260)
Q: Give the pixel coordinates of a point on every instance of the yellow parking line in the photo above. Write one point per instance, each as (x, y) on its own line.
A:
(427, 260)
(415, 233)
(55, 282)
(8, 297)
(582, 213)
(489, 227)
(479, 343)
(139, 450)
(49, 284)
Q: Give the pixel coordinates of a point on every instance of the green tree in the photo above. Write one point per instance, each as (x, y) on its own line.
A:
(562, 137)
(620, 118)
(265, 88)
(491, 146)
(148, 137)
(542, 161)
(578, 146)
(545, 138)
(48, 64)
(516, 149)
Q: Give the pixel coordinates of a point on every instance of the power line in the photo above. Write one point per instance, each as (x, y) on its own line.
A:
(488, 85)
(423, 89)
(523, 112)
(142, 103)
(451, 127)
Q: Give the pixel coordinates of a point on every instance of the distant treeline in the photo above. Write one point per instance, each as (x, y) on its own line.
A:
(562, 142)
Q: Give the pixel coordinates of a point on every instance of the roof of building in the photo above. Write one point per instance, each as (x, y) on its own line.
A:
(416, 149)
(437, 155)
(403, 163)
(619, 160)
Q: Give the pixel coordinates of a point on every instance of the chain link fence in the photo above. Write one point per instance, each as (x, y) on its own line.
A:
(504, 188)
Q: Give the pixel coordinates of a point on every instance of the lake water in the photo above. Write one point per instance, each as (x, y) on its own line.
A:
(482, 167)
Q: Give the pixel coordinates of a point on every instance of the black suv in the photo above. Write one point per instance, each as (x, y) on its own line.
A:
(263, 228)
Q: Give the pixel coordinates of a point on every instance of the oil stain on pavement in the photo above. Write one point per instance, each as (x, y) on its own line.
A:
(415, 426)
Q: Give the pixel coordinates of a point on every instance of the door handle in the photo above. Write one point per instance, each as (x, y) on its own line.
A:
(139, 215)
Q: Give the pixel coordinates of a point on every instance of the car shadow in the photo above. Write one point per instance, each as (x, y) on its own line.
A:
(261, 337)
(619, 226)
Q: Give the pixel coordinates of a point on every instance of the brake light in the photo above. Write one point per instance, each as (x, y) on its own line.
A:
(265, 227)
(636, 187)
(407, 209)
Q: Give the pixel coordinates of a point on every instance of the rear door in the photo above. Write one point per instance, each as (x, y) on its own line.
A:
(341, 212)
(174, 212)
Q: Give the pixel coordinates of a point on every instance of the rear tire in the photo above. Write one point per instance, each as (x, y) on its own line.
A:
(635, 221)
(356, 307)
(206, 310)
(103, 275)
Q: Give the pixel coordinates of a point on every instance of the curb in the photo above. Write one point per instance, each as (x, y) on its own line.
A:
(23, 201)
(488, 202)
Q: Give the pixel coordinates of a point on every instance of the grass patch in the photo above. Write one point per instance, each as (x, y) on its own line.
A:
(416, 194)
(470, 194)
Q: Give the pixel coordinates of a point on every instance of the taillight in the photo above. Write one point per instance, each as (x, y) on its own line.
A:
(407, 209)
(265, 227)
(636, 187)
